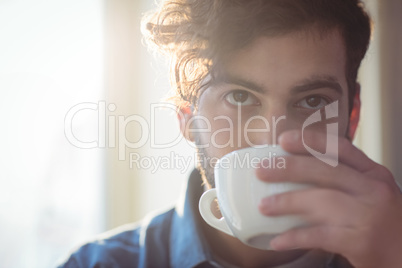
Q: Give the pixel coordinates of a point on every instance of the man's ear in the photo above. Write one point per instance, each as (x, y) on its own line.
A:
(354, 114)
(184, 115)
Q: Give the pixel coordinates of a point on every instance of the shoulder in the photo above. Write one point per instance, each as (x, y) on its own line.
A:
(126, 246)
(112, 249)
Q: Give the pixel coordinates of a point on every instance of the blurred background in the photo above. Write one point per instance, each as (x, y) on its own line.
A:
(77, 85)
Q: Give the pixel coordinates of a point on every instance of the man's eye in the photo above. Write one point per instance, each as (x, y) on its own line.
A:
(313, 102)
(241, 97)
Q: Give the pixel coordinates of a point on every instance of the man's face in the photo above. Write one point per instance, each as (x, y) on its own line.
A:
(272, 85)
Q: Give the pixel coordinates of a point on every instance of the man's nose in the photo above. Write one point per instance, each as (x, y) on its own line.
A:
(267, 127)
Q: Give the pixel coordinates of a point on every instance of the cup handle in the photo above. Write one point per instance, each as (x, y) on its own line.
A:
(205, 210)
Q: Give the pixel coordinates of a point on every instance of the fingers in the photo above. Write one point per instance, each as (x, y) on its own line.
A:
(306, 169)
(353, 208)
(297, 142)
(328, 238)
(317, 206)
(357, 248)
(347, 154)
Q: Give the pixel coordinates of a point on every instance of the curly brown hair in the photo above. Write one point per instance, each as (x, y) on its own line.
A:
(198, 34)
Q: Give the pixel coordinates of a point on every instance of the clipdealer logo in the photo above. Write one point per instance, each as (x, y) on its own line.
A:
(111, 132)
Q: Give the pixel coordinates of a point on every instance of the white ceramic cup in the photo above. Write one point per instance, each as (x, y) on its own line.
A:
(239, 193)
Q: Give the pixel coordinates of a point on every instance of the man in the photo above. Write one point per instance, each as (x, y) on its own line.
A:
(251, 72)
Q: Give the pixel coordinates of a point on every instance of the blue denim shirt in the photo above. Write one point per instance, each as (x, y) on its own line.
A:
(169, 239)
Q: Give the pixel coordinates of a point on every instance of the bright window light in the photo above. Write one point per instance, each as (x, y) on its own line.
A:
(50, 191)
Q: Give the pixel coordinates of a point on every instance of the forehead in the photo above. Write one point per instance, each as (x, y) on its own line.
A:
(283, 61)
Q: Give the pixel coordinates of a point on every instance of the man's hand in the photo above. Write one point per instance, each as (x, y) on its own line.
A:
(355, 209)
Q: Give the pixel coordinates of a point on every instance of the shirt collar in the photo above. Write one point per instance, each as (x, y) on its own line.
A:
(187, 245)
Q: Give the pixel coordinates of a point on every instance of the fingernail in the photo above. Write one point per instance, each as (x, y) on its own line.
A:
(272, 244)
(289, 136)
(276, 245)
(267, 204)
(264, 163)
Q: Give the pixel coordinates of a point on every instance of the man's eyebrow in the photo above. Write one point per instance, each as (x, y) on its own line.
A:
(316, 82)
(236, 80)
